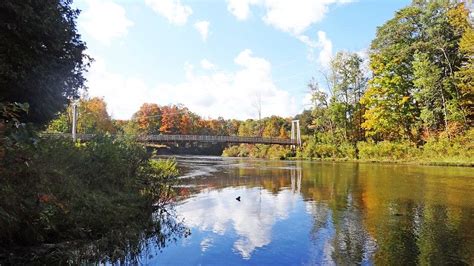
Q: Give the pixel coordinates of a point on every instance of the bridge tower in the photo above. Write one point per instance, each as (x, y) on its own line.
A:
(295, 130)
(75, 113)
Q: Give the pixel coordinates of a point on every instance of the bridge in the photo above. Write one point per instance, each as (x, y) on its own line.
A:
(154, 139)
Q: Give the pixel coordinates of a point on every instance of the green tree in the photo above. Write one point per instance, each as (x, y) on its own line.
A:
(407, 91)
(42, 58)
(348, 84)
(464, 75)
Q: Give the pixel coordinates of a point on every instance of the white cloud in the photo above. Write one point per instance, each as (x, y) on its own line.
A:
(124, 95)
(323, 44)
(104, 21)
(173, 10)
(289, 16)
(240, 8)
(219, 93)
(206, 64)
(203, 28)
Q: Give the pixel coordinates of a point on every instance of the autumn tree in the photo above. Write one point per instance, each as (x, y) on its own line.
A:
(92, 118)
(464, 74)
(170, 119)
(148, 118)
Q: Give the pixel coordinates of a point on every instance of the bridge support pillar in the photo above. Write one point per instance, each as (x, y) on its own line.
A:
(295, 131)
(74, 121)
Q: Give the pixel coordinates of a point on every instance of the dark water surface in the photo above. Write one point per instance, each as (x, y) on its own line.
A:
(312, 213)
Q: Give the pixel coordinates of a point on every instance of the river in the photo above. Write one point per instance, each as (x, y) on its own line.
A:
(313, 213)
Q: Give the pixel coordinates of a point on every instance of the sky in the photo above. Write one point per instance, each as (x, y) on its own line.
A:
(220, 58)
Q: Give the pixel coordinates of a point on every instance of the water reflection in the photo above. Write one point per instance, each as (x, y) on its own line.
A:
(323, 213)
(251, 219)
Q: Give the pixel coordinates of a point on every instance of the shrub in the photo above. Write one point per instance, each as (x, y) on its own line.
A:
(459, 148)
(106, 191)
(386, 150)
(347, 150)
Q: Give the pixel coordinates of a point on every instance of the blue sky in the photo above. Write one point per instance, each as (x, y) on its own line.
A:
(220, 58)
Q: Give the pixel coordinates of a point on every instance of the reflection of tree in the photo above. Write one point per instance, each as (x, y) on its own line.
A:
(366, 213)
(440, 238)
(349, 240)
(148, 234)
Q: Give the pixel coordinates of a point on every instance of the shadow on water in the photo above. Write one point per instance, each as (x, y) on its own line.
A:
(130, 245)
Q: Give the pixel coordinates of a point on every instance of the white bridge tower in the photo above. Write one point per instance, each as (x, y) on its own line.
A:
(295, 130)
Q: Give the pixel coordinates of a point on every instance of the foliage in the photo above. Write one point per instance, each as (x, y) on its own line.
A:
(387, 151)
(258, 151)
(413, 59)
(458, 149)
(92, 118)
(148, 118)
(48, 196)
(314, 148)
(42, 58)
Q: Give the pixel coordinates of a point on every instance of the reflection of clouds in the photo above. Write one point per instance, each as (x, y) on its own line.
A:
(206, 243)
(252, 218)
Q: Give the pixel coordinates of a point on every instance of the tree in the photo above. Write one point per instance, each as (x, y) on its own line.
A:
(42, 58)
(464, 75)
(92, 118)
(171, 118)
(429, 93)
(409, 87)
(148, 118)
(348, 84)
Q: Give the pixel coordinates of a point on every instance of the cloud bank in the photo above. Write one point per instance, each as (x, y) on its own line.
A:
(208, 91)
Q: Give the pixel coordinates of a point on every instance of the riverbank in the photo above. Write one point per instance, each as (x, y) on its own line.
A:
(456, 151)
(412, 162)
(99, 201)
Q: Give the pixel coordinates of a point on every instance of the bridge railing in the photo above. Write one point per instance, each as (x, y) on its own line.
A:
(206, 138)
(190, 138)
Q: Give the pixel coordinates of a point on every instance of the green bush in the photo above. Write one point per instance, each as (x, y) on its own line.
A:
(232, 151)
(459, 148)
(107, 190)
(258, 151)
(347, 150)
(386, 150)
(314, 149)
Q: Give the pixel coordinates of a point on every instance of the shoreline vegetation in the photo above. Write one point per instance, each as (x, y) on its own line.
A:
(437, 152)
(107, 200)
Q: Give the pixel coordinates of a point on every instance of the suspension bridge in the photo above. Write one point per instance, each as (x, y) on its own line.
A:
(157, 139)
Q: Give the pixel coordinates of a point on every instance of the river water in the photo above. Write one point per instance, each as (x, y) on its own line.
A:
(320, 213)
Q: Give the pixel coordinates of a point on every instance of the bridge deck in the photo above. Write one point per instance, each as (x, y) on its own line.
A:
(197, 138)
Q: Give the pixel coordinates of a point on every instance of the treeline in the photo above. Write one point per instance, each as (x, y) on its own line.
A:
(415, 103)
(170, 119)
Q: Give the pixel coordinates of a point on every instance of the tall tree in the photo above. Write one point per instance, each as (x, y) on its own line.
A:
(348, 84)
(413, 59)
(42, 58)
(459, 19)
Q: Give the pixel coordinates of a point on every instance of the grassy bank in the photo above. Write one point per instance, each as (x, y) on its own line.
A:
(454, 151)
(68, 202)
